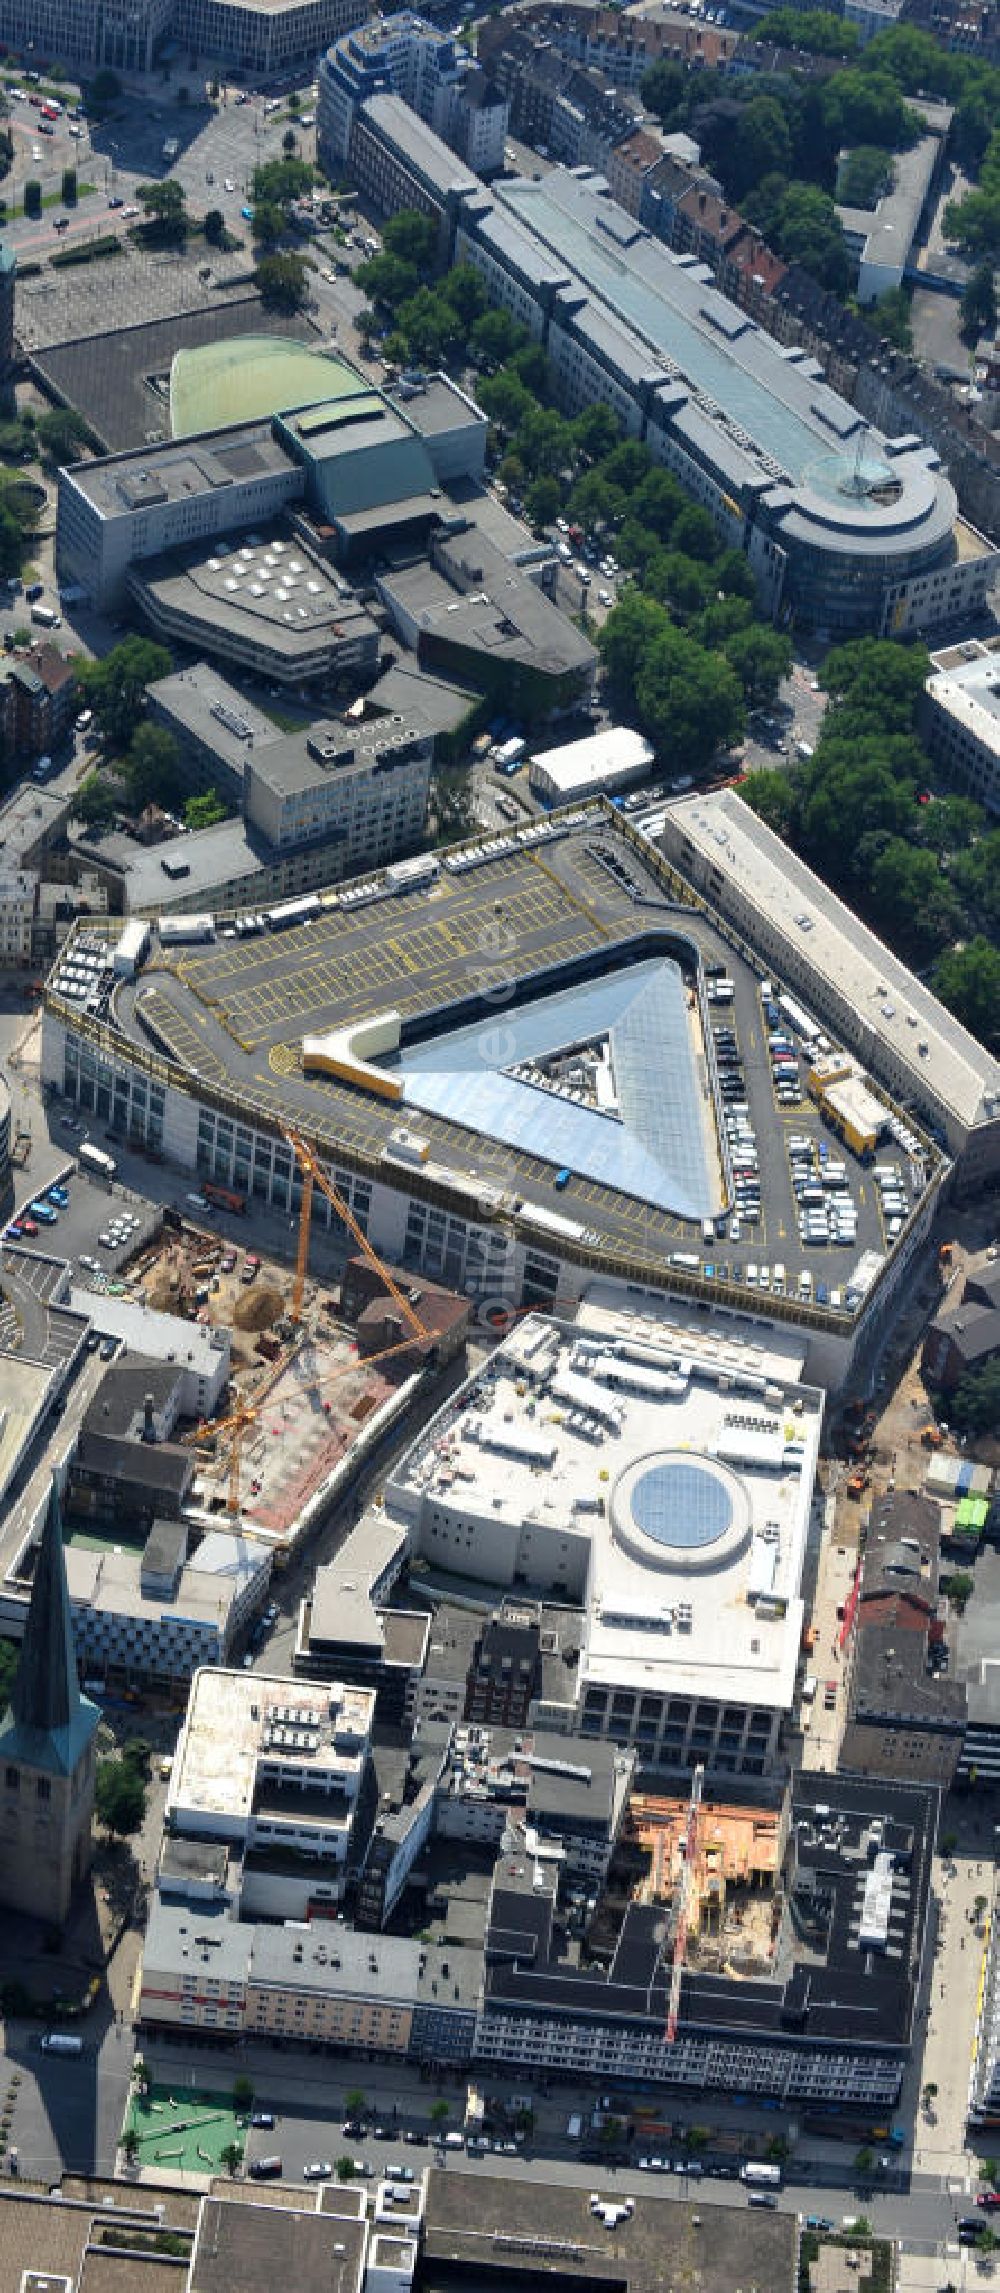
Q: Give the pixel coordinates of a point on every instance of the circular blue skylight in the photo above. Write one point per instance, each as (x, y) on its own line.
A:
(682, 1504)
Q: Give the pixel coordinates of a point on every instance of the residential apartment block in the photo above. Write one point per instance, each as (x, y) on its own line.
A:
(961, 719)
(404, 55)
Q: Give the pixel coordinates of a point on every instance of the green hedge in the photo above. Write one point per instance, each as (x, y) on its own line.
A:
(91, 251)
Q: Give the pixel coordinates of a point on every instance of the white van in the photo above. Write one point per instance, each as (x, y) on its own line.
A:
(778, 1278)
(196, 1202)
(805, 1284)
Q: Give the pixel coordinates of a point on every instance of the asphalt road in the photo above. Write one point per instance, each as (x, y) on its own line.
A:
(308, 2096)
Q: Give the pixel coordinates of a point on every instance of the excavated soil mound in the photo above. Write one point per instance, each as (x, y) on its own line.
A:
(258, 1308)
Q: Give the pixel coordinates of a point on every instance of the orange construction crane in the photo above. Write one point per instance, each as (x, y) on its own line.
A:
(688, 1851)
(313, 1174)
(246, 1413)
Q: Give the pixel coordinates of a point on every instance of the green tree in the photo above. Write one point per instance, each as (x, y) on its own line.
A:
(32, 197)
(355, 2103)
(153, 767)
(167, 220)
(97, 800)
(119, 1797)
(967, 979)
(214, 227)
(6, 152)
(280, 281)
(893, 318)
(762, 659)
(951, 824)
(801, 223)
(69, 187)
(624, 639)
(839, 793)
(974, 872)
(975, 1403)
(104, 90)
(232, 2158)
(8, 1666)
(11, 543)
(596, 431)
(61, 432)
(688, 701)
(278, 181)
(960, 1589)
(430, 325)
(345, 2169)
(531, 367)
(440, 2112)
(975, 220)
(289, 143)
(886, 679)
(914, 904)
(114, 687)
(495, 337)
(761, 146)
(813, 30)
(413, 238)
(543, 501)
(865, 106)
(130, 2145)
(978, 306)
(664, 90)
(243, 2092)
(204, 811)
(388, 280)
(733, 575)
(865, 175)
(465, 291)
(694, 534)
(504, 398)
(268, 222)
(678, 581)
(771, 795)
(864, 2163)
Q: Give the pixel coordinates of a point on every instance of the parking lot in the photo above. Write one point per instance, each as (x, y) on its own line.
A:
(235, 1012)
(93, 1210)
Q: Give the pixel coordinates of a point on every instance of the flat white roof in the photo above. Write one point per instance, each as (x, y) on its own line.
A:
(229, 1714)
(969, 690)
(890, 1002)
(599, 761)
(690, 1476)
(164, 1337)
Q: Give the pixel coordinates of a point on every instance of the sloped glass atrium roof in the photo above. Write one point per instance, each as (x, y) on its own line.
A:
(657, 1151)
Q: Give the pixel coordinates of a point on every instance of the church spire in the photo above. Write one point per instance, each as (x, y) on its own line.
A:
(48, 1717)
(46, 1691)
